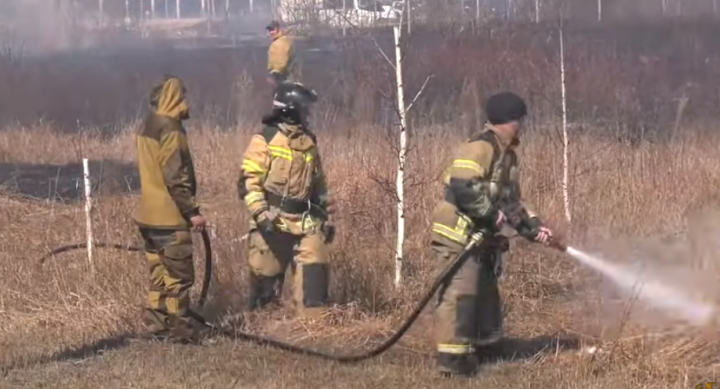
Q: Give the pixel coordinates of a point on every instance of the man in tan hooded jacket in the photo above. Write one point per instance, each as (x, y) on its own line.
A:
(168, 211)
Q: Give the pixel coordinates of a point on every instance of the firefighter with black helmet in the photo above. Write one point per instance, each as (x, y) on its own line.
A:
(283, 187)
(482, 194)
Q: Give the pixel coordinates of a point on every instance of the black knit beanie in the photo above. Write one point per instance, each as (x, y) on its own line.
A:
(505, 107)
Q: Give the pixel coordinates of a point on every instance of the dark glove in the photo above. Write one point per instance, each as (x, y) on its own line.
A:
(535, 230)
(275, 79)
(266, 222)
(328, 229)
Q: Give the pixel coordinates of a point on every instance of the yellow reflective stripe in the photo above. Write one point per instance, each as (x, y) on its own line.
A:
(449, 233)
(458, 234)
(309, 157)
(281, 152)
(467, 164)
(462, 225)
(454, 348)
(252, 167)
(254, 197)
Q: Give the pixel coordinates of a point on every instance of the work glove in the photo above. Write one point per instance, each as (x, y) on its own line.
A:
(266, 222)
(538, 232)
(500, 219)
(328, 230)
(275, 79)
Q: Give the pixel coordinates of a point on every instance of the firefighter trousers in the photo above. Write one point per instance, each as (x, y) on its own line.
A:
(469, 310)
(271, 254)
(169, 255)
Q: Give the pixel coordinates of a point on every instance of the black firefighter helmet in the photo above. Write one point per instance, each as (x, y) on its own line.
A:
(292, 101)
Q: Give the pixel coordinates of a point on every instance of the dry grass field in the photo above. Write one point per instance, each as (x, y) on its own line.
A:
(619, 195)
(650, 200)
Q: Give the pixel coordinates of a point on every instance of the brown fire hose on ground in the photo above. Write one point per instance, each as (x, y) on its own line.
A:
(449, 271)
(206, 243)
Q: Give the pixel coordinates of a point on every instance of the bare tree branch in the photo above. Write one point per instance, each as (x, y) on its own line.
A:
(417, 95)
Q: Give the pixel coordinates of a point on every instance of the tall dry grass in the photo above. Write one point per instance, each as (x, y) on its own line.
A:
(622, 194)
(618, 193)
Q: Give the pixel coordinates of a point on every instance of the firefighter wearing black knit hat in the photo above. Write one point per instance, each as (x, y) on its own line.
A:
(482, 195)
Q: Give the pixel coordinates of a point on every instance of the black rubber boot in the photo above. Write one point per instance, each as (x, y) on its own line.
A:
(264, 290)
(465, 365)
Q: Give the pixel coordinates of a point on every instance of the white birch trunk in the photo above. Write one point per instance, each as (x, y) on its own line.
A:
(401, 161)
(88, 213)
(167, 9)
(101, 11)
(599, 9)
(152, 9)
(566, 198)
(409, 16)
(252, 6)
(537, 11)
(178, 14)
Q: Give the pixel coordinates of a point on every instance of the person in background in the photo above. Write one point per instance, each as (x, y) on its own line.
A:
(281, 56)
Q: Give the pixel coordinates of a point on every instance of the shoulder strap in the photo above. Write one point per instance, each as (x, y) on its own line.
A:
(269, 133)
(488, 136)
(312, 136)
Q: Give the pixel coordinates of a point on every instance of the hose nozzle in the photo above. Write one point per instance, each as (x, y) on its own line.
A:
(558, 245)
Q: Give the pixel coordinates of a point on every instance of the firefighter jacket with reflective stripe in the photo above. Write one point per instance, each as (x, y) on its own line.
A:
(282, 171)
(281, 56)
(482, 179)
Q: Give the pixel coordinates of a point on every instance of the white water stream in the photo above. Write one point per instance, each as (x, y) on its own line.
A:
(652, 291)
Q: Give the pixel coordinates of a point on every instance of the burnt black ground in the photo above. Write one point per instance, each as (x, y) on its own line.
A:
(65, 182)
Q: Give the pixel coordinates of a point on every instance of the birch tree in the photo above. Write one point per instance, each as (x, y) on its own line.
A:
(401, 110)
(565, 183)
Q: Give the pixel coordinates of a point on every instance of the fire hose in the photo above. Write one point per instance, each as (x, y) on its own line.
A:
(208, 258)
(448, 272)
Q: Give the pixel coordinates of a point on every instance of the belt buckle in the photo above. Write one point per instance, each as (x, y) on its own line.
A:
(305, 216)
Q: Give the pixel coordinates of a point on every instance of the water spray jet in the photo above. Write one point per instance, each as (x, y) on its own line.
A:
(648, 289)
